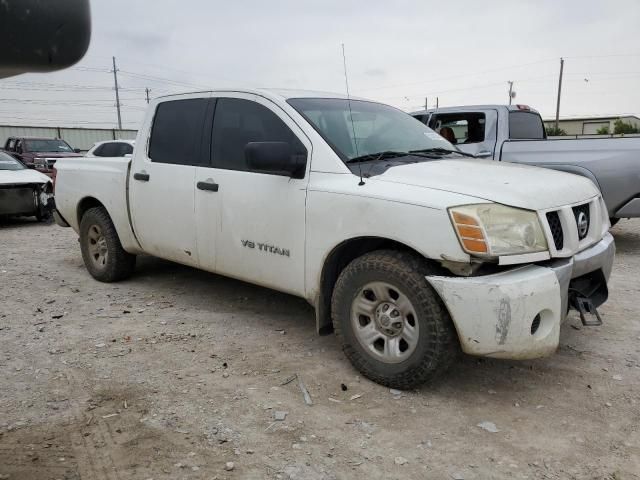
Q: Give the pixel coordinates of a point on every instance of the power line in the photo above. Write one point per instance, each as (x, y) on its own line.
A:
(464, 75)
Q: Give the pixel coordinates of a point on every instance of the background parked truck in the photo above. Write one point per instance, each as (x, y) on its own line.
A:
(516, 133)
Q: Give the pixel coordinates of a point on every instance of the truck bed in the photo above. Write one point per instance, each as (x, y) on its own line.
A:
(105, 179)
(591, 157)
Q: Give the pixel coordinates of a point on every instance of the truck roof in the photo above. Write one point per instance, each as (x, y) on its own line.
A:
(466, 108)
(280, 93)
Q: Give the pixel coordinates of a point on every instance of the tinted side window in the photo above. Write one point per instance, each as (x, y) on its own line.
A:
(525, 125)
(11, 144)
(111, 149)
(177, 131)
(125, 149)
(238, 122)
(98, 152)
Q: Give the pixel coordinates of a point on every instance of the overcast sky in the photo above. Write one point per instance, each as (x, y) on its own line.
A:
(398, 52)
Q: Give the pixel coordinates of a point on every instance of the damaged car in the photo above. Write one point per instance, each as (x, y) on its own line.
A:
(24, 191)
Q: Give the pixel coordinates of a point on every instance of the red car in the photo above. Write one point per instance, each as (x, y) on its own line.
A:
(39, 153)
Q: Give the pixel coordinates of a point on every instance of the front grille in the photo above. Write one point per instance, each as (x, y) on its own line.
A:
(583, 222)
(556, 229)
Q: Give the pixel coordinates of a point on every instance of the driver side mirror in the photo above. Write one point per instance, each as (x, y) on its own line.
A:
(275, 158)
(77, 150)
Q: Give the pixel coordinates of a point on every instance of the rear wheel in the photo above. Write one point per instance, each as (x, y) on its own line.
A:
(393, 326)
(102, 251)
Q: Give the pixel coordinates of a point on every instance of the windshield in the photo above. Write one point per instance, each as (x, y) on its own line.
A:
(7, 162)
(47, 146)
(376, 127)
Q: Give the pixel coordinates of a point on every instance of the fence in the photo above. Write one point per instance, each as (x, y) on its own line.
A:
(82, 138)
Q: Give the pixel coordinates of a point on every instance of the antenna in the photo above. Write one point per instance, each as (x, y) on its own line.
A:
(353, 128)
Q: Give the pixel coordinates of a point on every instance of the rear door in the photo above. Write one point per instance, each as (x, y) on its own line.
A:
(260, 234)
(163, 180)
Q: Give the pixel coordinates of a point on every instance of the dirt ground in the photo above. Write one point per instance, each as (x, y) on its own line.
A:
(176, 372)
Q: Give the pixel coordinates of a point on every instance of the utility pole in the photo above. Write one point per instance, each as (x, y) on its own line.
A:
(115, 79)
(437, 102)
(510, 82)
(559, 92)
(146, 91)
(426, 103)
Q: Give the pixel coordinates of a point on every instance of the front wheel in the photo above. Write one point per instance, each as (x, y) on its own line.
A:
(393, 326)
(102, 251)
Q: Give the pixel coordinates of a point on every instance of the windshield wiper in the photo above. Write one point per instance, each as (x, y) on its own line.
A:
(443, 151)
(377, 156)
(393, 154)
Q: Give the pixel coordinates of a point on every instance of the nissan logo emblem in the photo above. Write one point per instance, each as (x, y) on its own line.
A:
(583, 225)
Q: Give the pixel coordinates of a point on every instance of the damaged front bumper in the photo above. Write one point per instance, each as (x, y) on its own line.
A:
(517, 313)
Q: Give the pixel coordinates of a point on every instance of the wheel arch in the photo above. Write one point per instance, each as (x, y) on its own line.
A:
(337, 259)
(85, 204)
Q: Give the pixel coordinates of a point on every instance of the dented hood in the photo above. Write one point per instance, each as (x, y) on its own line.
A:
(520, 186)
(13, 177)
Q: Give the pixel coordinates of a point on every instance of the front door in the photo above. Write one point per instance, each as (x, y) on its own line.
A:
(162, 181)
(260, 236)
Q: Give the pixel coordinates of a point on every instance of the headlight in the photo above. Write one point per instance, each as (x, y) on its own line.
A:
(491, 229)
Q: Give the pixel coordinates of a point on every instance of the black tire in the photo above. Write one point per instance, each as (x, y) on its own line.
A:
(613, 220)
(118, 264)
(437, 345)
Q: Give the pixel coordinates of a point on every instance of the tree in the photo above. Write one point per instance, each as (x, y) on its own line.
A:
(603, 131)
(555, 132)
(622, 127)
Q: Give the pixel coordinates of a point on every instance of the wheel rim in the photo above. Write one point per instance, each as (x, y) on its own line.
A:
(385, 322)
(97, 246)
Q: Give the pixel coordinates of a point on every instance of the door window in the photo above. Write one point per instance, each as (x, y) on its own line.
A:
(11, 144)
(238, 122)
(177, 132)
(124, 149)
(99, 152)
(460, 128)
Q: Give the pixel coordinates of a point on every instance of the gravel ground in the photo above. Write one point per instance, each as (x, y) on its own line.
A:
(176, 372)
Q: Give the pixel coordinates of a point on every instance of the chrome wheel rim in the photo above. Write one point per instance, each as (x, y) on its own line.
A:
(385, 322)
(97, 247)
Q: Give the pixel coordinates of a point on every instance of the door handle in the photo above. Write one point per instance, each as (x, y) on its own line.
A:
(210, 186)
(143, 177)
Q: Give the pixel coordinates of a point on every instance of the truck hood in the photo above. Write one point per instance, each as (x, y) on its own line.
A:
(519, 186)
(13, 177)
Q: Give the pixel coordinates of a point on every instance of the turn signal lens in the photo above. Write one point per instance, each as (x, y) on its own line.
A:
(469, 233)
(462, 219)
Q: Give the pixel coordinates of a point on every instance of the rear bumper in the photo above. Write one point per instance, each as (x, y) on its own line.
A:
(494, 314)
(631, 209)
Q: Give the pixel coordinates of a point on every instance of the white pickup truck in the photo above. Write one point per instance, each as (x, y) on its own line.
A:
(409, 250)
